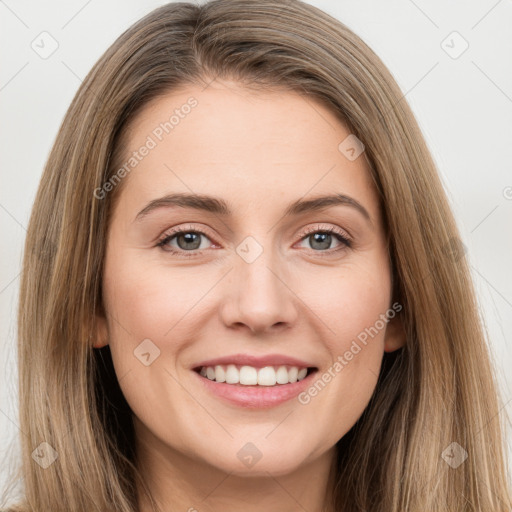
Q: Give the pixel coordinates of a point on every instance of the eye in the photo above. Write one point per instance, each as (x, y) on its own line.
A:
(320, 239)
(187, 240)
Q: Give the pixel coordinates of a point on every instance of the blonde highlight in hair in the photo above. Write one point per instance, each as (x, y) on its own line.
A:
(437, 389)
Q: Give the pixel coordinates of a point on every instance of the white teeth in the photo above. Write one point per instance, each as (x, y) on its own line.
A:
(250, 376)
(220, 374)
(302, 373)
(267, 376)
(232, 374)
(282, 375)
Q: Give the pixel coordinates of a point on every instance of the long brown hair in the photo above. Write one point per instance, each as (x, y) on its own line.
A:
(437, 390)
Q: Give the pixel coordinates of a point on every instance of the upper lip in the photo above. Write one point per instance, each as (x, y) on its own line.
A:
(256, 361)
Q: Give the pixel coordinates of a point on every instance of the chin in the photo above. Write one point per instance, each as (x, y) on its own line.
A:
(251, 461)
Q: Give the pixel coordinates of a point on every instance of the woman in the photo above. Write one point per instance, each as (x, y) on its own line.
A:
(254, 368)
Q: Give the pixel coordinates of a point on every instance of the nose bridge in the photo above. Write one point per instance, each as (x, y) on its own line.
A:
(262, 297)
(257, 258)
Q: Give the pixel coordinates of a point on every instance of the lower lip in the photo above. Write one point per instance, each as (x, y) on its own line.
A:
(256, 397)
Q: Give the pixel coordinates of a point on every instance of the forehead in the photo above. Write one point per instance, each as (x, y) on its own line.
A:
(252, 148)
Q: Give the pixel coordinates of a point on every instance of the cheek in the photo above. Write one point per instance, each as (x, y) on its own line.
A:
(150, 301)
(358, 319)
(354, 304)
(353, 312)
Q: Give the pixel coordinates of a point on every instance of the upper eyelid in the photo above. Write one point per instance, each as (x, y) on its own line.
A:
(332, 229)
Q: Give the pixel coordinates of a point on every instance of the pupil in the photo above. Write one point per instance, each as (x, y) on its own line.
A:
(324, 238)
(189, 239)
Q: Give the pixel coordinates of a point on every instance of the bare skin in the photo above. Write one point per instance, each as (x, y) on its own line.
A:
(301, 297)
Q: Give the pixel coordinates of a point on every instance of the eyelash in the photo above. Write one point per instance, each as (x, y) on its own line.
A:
(167, 237)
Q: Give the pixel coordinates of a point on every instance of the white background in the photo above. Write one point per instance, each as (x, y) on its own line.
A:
(463, 105)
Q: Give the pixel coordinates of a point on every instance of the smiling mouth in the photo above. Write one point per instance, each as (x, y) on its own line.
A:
(243, 375)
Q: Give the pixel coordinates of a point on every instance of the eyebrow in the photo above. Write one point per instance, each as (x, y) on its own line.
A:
(218, 206)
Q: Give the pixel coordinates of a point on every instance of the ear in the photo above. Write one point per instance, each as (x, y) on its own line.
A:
(101, 329)
(395, 336)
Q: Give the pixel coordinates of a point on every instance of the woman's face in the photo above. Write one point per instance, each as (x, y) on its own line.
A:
(255, 273)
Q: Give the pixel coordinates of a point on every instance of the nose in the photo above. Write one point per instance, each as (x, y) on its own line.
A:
(259, 295)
